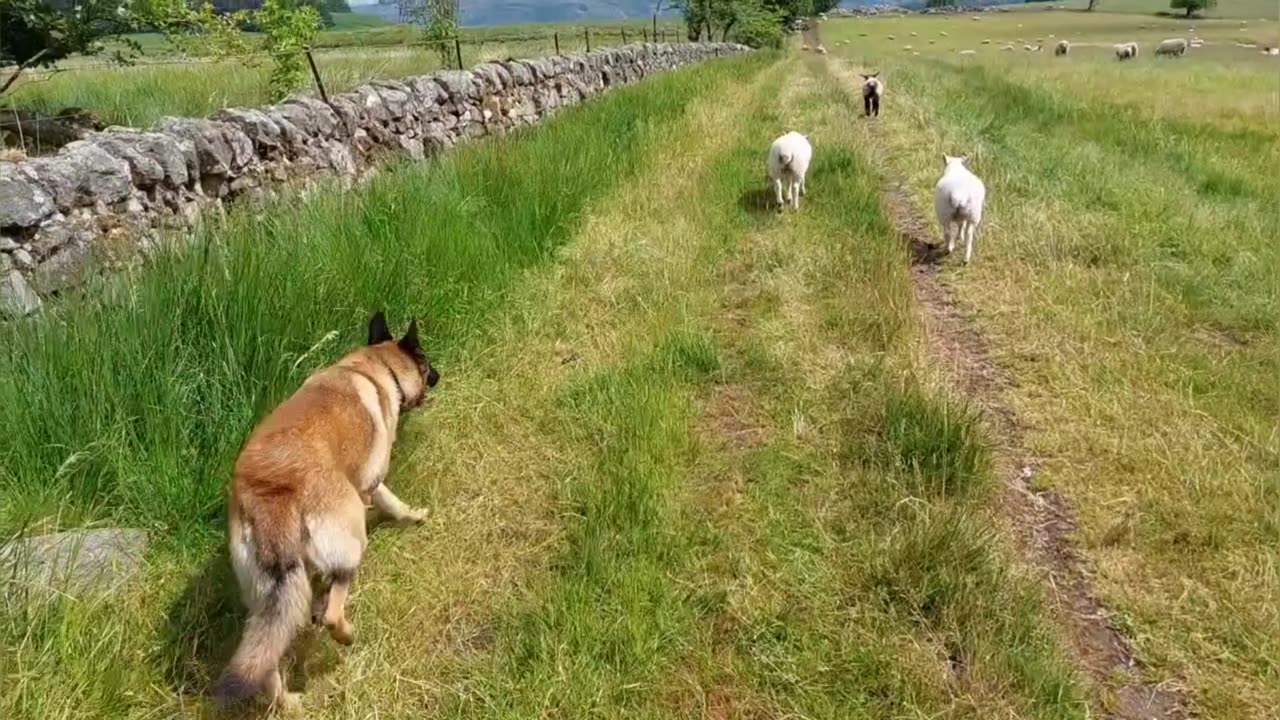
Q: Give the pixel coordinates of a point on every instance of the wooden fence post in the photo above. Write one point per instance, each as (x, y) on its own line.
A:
(557, 36)
(457, 49)
(587, 33)
(315, 73)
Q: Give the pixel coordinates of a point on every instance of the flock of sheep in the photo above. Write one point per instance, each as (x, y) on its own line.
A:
(958, 197)
(1173, 47)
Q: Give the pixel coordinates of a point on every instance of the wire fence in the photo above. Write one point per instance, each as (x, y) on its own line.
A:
(42, 126)
(587, 38)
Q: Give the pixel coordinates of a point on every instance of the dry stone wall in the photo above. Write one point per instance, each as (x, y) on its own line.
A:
(102, 200)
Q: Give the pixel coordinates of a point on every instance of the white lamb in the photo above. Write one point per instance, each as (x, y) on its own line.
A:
(789, 158)
(1062, 48)
(1176, 47)
(1126, 51)
(958, 200)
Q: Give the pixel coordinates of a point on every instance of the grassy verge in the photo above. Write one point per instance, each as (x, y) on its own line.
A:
(133, 399)
(162, 83)
(1127, 278)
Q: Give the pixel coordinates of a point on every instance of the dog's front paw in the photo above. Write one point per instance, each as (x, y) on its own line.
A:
(416, 516)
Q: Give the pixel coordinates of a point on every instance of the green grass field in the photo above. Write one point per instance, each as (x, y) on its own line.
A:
(692, 458)
(1250, 9)
(162, 83)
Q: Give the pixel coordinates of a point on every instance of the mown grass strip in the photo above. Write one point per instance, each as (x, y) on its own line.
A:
(128, 404)
(1131, 296)
(601, 633)
(849, 545)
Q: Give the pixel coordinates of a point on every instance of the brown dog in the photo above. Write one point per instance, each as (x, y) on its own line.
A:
(298, 500)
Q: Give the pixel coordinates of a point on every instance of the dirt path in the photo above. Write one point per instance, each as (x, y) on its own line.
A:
(1043, 521)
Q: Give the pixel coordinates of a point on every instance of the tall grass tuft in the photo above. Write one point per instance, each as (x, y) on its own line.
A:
(128, 402)
(936, 442)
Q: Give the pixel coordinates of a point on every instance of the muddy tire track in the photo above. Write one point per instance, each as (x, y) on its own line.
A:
(1043, 521)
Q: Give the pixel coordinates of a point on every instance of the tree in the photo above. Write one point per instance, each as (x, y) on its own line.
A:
(752, 22)
(1192, 6)
(438, 20)
(941, 3)
(1092, 4)
(33, 33)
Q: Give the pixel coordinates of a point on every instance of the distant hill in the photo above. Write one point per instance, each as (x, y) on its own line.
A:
(479, 13)
(519, 12)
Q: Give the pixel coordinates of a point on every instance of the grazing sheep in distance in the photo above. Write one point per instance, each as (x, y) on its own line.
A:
(1175, 47)
(892, 37)
(872, 92)
(805, 47)
(1062, 48)
(821, 50)
(789, 158)
(942, 33)
(987, 41)
(958, 199)
(1007, 48)
(1126, 51)
(906, 48)
(968, 52)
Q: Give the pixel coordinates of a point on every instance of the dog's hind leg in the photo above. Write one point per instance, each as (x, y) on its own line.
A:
(335, 611)
(335, 546)
(393, 507)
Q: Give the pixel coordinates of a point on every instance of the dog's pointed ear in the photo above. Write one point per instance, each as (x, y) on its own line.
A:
(378, 331)
(410, 343)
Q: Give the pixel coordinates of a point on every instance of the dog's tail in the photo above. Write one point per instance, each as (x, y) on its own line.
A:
(277, 571)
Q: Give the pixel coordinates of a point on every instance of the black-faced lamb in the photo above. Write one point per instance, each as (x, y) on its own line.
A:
(872, 93)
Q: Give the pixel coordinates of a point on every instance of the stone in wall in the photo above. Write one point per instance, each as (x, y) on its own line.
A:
(100, 200)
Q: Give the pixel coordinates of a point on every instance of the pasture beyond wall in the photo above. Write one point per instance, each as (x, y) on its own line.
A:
(101, 200)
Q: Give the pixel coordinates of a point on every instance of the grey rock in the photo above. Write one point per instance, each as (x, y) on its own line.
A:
(494, 76)
(22, 203)
(146, 170)
(16, 298)
(460, 84)
(255, 124)
(63, 268)
(323, 120)
(411, 146)
(83, 174)
(348, 113)
(520, 73)
(23, 260)
(54, 233)
(428, 90)
(221, 148)
(79, 562)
